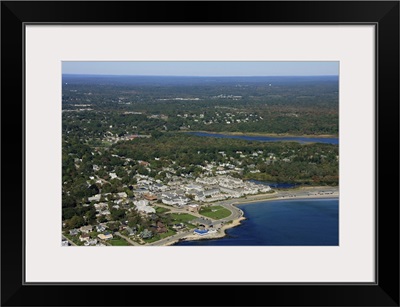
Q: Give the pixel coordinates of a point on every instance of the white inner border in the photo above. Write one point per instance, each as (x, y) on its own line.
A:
(48, 45)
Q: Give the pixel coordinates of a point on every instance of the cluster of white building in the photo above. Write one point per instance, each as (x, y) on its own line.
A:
(174, 199)
(221, 187)
(178, 192)
(205, 189)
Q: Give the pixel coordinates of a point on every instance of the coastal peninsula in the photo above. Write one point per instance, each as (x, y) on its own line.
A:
(233, 220)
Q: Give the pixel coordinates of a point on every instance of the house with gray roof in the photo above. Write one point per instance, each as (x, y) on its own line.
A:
(86, 229)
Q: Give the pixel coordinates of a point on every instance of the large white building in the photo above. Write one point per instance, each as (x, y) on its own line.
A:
(143, 206)
(230, 182)
(175, 200)
(231, 192)
(207, 180)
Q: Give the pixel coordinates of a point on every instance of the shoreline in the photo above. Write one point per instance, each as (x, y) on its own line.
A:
(260, 198)
(277, 198)
(329, 136)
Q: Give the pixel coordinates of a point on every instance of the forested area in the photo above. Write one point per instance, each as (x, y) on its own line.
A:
(298, 106)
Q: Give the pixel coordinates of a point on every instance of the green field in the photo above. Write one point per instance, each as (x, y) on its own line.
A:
(215, 212)
(160, 236)
(162, 210)
(118, 242)
(182, 217)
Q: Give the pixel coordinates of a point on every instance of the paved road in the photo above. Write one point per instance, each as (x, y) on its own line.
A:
(127, 239)
(171, 238)
(236, 213)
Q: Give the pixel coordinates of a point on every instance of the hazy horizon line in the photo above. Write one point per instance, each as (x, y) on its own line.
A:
(206, 76)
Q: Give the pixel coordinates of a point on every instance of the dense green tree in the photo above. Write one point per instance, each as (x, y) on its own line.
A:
(117, 214)
(75, 222)
(90, 215)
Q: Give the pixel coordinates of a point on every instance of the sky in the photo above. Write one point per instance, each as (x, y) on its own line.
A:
(202, 68)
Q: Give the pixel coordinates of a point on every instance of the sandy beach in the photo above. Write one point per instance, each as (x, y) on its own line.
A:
(297, 193)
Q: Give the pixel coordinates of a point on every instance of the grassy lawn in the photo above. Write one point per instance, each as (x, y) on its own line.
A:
(167, 234)
(160, 236)
(118, 242)
(182, 217)
(93, 234)
(162, 210)
(190, 226)
(215, 212)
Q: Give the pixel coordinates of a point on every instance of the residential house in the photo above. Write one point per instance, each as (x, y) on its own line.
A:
(207, 180)
(141, 191)
(199, 196)
(64, 242)
(86, 229)
(211, 192)
(130, 231)
(113, 175)
(100, 206)
(248, 190)
(193, 187)
(160, 227)
(94, 198)
(175, 200)
(193, 207)
(216, 197)
(232, 193)
(143, 206)
(159, 187)
(230, 182)
(104, 212)
(150, 197)
(178, 226)
(84, 237)
(90, 242)
(146, 234)
(100, 228)
(122, 195)
(202, 222)
(264, 188)
(105, 236)
(74, 232)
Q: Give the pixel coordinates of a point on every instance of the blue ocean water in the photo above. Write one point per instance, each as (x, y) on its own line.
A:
(299, 139)
(301, 222)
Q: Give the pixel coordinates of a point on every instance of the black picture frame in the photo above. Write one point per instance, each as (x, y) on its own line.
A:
(383, 14)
